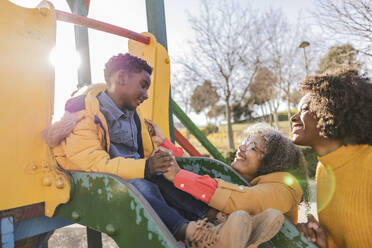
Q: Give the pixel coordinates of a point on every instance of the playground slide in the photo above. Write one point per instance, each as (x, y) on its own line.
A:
(28, 172)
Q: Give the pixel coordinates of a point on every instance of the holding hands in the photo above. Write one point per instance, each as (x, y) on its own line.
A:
(162, 161)
(313, 232)
(156, 134)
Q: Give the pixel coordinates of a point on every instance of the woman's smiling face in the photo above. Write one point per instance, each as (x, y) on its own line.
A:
(249, 156)
(304, 124)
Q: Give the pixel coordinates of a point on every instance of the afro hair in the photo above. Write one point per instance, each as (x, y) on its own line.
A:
(125, 62)
(341, 101)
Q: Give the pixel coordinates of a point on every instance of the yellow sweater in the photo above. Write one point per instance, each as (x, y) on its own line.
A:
(344, 196)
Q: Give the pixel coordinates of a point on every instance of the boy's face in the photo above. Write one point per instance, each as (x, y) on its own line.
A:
(134, 88)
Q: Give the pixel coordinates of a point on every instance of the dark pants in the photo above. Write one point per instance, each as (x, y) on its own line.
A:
(173, 206)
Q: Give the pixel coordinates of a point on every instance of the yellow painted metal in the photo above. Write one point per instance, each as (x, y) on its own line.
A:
(28, 173)
(156, 107)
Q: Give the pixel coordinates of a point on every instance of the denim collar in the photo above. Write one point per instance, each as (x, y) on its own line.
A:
(111, 107)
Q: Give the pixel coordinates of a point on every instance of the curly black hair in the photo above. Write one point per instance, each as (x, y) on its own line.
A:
(280, 155)
(125, 62)
(341, 101)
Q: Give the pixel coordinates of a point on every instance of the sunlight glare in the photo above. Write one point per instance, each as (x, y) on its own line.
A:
(288, 180)
(26, 4)
(64, 57)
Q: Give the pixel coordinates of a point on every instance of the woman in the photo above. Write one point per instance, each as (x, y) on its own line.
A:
(335, 119)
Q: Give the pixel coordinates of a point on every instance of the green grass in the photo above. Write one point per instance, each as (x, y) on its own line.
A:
(220, 140)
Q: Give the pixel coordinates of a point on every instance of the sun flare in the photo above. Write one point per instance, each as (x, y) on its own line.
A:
(64, 57)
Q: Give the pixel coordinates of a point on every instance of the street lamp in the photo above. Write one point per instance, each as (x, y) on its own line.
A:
(303, 45)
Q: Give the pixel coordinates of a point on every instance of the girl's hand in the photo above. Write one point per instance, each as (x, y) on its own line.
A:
(156, 134)
(172, 171)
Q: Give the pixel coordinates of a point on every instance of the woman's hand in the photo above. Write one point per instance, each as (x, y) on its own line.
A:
(313, 232)
(156, 134)
(55, 133)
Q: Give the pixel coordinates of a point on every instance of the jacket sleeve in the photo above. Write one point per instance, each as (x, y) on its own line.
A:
(84, 150)
(200, 187)
(177, 151)
(230, 197)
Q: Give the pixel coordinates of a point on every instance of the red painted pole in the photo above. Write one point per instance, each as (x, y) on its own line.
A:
(186, 144)
(102, 26)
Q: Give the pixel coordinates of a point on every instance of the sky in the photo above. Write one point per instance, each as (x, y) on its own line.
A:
(130, 14)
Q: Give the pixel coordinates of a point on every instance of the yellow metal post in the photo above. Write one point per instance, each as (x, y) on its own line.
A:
(156, 107)
(28, 173)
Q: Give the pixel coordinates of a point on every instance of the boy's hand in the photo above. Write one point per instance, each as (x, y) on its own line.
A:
(313, 232)
(160, 160)
(156, 134)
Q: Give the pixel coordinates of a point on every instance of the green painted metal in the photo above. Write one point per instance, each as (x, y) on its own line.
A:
(109, 204)
(156, 21)
(185, 120)
(84, 78)
(156, 26)
(78, 7)
(288, 236)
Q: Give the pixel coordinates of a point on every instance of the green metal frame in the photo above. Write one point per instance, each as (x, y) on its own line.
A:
(79, 7)
(185, 120)
(156, 25)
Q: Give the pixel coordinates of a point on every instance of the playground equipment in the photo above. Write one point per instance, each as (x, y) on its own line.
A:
(38, 197)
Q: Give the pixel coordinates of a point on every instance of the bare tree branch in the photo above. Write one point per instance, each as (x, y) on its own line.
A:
(347, 18)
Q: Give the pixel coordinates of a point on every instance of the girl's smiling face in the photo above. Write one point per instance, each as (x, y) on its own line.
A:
(249, 156)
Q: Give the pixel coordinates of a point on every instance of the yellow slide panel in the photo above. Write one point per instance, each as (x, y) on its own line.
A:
(156, 107)
(28, 173)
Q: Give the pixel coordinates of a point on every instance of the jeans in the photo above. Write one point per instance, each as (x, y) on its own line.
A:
(186, 204)
(173, 206)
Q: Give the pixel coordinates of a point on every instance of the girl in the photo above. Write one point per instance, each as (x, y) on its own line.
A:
(267, 159)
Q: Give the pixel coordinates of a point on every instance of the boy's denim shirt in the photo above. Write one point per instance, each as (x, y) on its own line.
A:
(122, 128)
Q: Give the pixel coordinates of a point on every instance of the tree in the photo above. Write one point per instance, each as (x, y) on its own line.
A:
(225, 50)
(283, 56)
(262, 89)
(295, 98)
(182, 90)
(243, 110)
(347, 18)
(204, 96)
(339, 56)
(216, 111)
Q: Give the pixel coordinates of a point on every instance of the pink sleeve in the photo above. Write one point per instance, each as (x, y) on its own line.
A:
(177, 151)
(200, 187)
